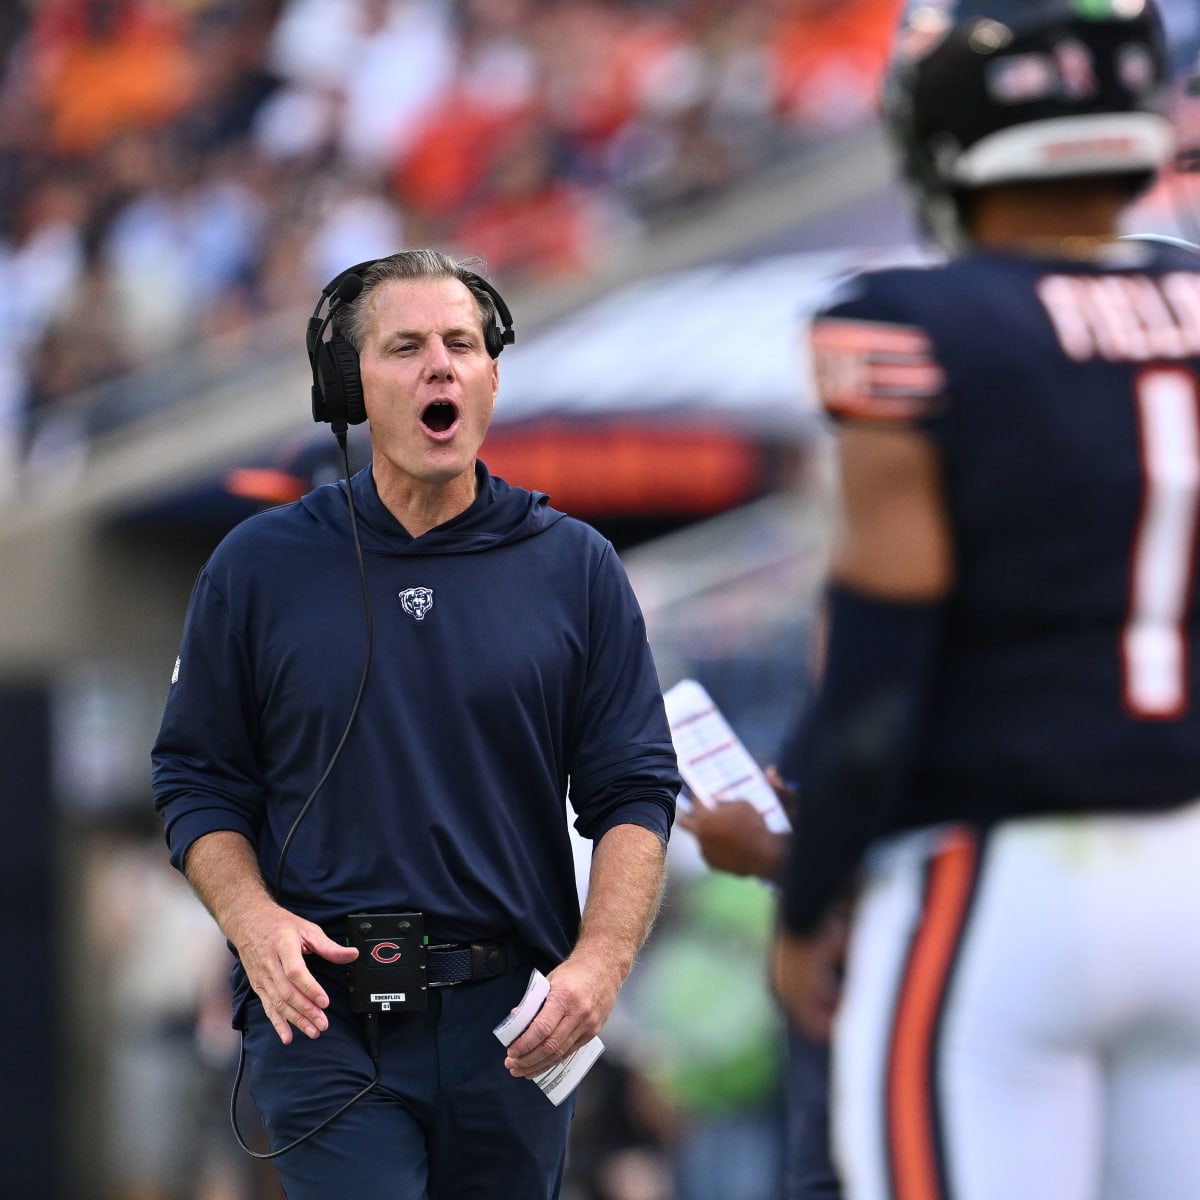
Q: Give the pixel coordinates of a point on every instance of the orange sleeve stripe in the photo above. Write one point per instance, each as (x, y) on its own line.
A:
(923, 378)
(869, 337)
(911, 1126)
(876, 408)
(869, 370)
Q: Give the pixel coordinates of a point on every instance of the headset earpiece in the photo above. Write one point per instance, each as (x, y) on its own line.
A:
(338, 391)
(497, 335)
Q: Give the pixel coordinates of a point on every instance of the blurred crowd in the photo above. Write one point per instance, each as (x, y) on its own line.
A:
(172, 170)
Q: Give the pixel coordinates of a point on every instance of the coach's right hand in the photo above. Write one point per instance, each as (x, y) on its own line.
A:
(270, 941)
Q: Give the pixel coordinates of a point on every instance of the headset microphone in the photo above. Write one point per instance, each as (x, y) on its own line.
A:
(348, 289)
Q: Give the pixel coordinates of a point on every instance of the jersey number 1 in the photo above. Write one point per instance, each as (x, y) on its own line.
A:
(1154, 641)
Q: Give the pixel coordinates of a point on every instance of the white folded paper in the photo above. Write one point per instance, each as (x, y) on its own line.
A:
(560, 1080)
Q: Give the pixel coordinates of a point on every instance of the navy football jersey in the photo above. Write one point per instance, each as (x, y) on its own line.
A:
(1064, 400)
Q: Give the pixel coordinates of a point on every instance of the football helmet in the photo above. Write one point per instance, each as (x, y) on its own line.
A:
(994, 91)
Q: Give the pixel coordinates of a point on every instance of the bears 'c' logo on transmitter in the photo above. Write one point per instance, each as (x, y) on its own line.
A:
(417, 601)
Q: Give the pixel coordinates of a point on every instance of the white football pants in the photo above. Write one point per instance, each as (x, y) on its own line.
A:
(1021, 1016)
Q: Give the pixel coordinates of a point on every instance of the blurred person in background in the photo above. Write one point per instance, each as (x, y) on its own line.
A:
(734, 837)
(705, 1038)
(160, 963)
(1005, 742)
(501, 662)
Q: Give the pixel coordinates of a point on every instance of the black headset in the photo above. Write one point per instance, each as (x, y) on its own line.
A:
(337, 394)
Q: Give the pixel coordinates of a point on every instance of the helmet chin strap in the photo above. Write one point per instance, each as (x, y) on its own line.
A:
(943, 222)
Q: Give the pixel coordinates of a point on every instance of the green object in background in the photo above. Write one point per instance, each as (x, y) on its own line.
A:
(712, 1031)
(1094, 10)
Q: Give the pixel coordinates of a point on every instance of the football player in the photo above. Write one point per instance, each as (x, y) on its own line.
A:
(1005, 746)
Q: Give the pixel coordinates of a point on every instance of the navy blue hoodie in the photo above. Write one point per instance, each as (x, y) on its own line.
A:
(509, 665)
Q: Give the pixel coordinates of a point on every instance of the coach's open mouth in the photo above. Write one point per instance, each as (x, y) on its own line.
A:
(439, 416)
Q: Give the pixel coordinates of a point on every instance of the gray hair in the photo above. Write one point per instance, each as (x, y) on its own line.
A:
(351, 319)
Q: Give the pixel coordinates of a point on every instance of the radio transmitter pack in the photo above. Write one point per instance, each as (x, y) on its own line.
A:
(389, 973)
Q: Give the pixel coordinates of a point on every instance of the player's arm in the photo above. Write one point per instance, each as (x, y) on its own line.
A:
(895, 544)
(892, 569)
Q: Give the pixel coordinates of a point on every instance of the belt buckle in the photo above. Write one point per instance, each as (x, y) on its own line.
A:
(442, 946)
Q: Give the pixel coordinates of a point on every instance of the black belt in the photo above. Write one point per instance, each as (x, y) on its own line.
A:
(448, 963)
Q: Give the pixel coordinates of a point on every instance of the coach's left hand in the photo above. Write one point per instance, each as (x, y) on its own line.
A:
(583, 991)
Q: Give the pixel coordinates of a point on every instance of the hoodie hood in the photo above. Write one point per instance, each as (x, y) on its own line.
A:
(500, 514)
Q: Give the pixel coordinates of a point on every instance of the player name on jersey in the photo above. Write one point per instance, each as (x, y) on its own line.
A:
(1124, 318)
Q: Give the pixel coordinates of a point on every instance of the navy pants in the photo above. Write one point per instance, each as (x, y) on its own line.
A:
(445, 1122)
(810, 1173)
